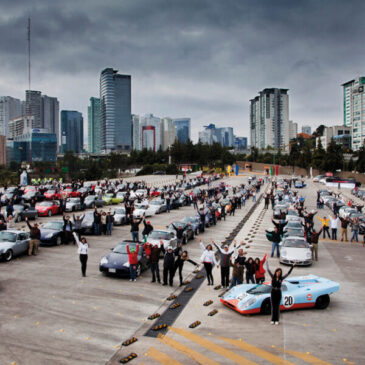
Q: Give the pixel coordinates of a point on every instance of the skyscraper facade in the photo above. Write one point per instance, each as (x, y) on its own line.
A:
(33, 106)
(150, 132)
(269, 118)
(135, 132)
(50, 115)
(293, 130)
(94, 126)
(72, 131)
(223, 136)
(354, 110)
(169, 134)
(10, 108)
(115, 111)
(182, 129)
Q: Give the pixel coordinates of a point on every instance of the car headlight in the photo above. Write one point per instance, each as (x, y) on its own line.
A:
(126, 264)
(103, 261)
(49, 235)
(249, 302)
(309, 255)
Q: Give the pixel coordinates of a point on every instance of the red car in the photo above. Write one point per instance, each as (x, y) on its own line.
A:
(52, 194)
(48, 208)
(68, 193)
(156, 192)
(29, 188)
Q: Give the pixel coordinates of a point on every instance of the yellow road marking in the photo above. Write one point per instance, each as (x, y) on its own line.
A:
(213, 347)
(199, 358)
(257, 351)
(306, 357)
(161, 357)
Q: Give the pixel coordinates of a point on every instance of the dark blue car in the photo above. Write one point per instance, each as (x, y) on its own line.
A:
(117, 261)
(51, 233)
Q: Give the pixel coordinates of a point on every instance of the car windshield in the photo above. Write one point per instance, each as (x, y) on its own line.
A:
(141, 206)
(295, 244)
(51, 191)
(18, 208)
(45, 204)
(7, 237)
(122, 247)
(89, 216)
(159, 235)
(260, 289)
(109, 195)
(53, 225)
(90, 197)
(120, 211)
(156, 202)
(74, 200)
(292, 212)
(191, 219)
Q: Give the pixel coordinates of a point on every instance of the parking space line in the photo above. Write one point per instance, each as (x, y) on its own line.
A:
(213, 347)
(257, 351)
(306, 357)
(161, 357)
(198, 357)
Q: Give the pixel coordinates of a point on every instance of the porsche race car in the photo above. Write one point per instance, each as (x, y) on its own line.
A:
(308, 291)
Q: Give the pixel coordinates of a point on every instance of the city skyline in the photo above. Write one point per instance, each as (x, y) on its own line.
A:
(219, 55)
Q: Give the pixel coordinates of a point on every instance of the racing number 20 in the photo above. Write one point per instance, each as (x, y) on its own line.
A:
(288, 301)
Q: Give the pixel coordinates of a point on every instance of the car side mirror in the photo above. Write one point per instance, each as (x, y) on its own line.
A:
(111, 248)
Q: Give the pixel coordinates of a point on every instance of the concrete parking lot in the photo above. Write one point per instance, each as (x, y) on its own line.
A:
(51, 315)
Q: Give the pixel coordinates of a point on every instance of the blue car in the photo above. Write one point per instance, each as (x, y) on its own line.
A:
(117, 261)
(51, 233)
(297, 292)
(299, 184)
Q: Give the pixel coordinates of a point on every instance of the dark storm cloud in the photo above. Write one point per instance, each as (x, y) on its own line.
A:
(198, 58)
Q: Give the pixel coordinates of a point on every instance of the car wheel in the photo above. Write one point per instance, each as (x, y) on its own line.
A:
(323, 301)
(50, 213)
(18, 219)
(8, 255)
(139, 270)
(58, 241)
(266, 306)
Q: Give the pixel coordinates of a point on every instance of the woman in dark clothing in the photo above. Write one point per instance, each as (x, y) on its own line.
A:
(250, 271)
(181, 258)
(277, 279)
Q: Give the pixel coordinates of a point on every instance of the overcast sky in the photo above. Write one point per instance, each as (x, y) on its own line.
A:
(202, 59)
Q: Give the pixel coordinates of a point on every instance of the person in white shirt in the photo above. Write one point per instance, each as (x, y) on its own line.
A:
(83, 250)
(208, 259)
(334, 223)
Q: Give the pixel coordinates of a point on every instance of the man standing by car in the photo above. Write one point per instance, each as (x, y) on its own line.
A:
(35, 236)
(135, 229)
(169, 266)
(344, 224)
(97, 222)
(154, 259)
(314, 241)
(78, 224)
(180, 232)
(67, 230)
(225, 262)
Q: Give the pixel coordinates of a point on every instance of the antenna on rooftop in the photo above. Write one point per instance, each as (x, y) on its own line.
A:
(29, 54)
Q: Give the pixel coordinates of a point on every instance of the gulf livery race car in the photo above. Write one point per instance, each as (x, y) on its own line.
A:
(297, 292)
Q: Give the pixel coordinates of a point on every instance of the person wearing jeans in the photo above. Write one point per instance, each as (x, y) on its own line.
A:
(334, 223)
(135, 229)
(276, 238)
(225, 258)
(325, 227)
(355, 230)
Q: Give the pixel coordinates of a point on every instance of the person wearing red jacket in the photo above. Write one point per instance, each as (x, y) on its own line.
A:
(133, 261)
(259, 270)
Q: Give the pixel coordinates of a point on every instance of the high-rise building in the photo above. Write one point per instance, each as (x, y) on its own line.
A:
(293, 130)
(307, 129)
(33, 106)
(269, 118)
(240, 143)
(10, 108)
(150, 132)
(50, 115)
(34, 145)
(20, 125)
(115, 111)
(94, 127)
(211, 135)
(72, 131)
(2, 150)
(354, 110)
(182, 129)
(169, 132)
(135, 132)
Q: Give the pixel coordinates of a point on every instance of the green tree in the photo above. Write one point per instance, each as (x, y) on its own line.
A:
(334, 157)
(318, 157)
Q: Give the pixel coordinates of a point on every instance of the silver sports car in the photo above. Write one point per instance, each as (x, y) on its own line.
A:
(13, 243)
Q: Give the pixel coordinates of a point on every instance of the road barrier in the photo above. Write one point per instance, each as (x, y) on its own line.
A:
(208, 302)
(160, 327)
(130, 341)
(212, 313)
(128, 358)
(154, 316)
(195, 324)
